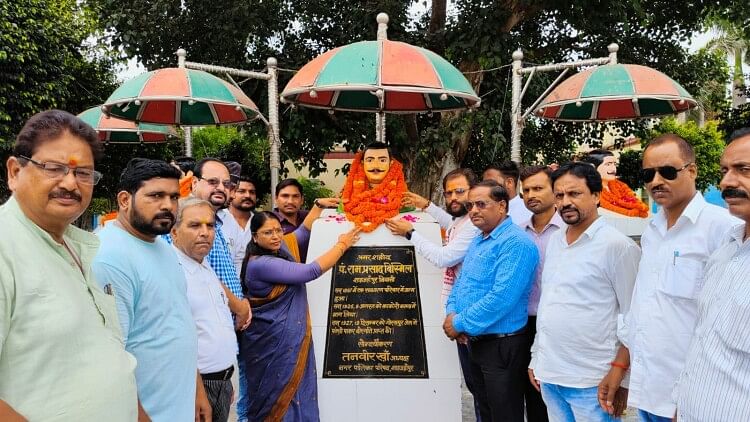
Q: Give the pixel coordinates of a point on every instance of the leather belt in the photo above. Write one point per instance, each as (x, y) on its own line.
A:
(219, 376)
(485, 337)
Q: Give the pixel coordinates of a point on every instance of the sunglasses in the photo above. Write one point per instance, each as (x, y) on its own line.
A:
(479, 204)
(667, 172)
(459, 191)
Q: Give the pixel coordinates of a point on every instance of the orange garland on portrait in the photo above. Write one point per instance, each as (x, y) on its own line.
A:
(621, 199)
(368, 208)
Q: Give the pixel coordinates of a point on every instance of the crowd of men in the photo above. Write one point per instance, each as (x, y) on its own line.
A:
(555, 313)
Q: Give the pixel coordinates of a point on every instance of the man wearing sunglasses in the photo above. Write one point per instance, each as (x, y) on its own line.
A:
(61, 352)
(676, 245)
(488, 303)
(459, 233)
(714, 384)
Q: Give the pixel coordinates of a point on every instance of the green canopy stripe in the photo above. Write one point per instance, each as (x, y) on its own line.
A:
(608, 80)
(205, 85)
(355, 63)
(573, 112)
(131, 88)
(91, 116)
(451, 78)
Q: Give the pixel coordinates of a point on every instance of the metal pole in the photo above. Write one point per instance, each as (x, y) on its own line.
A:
(382, 20)
(273, 127)
(181, 54)
(516, 126)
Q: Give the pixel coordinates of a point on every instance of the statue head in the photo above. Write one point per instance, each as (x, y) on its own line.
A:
(605, 163)
(376, 161)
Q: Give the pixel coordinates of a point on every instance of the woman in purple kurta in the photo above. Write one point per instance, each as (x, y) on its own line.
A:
(277, 347)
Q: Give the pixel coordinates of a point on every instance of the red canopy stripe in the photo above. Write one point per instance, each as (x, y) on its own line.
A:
(159, 112)
(401, 64)
(171, 82)
(616, 109)
(648, 82)
(309, 73)
(404, 101)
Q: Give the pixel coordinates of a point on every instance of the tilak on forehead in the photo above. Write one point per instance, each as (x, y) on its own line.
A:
(73, 160)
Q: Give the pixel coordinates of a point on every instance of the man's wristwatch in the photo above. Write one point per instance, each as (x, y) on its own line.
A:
(317, 203)
(408, 234)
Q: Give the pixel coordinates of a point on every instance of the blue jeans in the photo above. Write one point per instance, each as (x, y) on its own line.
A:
(567, 404)
(650, 417)
(242, 400)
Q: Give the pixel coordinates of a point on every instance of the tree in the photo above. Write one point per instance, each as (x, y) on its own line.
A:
(730, 41)
(46, 63)
(707, 141)
(480, 36)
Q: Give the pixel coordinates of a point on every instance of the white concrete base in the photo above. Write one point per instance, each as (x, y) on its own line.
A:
(435, 399)
(629, 226)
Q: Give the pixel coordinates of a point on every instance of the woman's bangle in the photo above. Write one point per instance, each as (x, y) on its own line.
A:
(619, 365)
(342, 248)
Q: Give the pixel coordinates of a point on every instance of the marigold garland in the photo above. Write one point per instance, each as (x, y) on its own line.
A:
(369, 208)
(621, 199)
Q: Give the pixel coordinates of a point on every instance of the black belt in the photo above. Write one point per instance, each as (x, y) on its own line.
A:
(219, 376)
(485, 337)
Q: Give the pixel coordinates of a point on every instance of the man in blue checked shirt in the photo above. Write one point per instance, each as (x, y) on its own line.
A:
(488, 304)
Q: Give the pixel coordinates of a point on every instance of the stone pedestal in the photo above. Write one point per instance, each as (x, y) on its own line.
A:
(436, 397)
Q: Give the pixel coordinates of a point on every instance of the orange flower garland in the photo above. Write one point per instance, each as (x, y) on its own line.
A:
(621, 199)
(369, 208)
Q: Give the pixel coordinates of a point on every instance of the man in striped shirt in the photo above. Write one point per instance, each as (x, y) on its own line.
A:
(714, 383)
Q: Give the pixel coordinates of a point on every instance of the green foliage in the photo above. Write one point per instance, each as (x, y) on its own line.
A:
(313, 189)
(707, 141)
(248, 146)
(734, 118)
(629, 168)
(100, 206)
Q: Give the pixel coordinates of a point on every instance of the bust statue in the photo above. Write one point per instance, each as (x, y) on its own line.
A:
(374, 187)
(616, 196)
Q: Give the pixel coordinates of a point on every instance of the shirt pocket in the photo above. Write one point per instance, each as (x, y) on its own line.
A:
(683, 279)
(734, 323)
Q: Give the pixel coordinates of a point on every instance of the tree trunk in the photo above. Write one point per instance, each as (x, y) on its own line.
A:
(738, 79)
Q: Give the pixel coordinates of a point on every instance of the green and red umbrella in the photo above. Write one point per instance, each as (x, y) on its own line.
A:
(380, 76)
(615, 92)
(114, 130)
(180, 96)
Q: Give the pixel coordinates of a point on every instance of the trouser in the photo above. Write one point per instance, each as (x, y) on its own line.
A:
(499, 370)
(243, 399)
(219, 393)
(650, 417)
(569, 404)
(536, 411)
(463, 359)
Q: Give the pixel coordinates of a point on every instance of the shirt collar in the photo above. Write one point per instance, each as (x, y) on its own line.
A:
(589, 233)
(556, 221)
(737, 233)
(691, 212)
(189, 264)
(501, 227)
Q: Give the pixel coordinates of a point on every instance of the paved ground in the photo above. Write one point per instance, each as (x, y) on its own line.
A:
(467, 407)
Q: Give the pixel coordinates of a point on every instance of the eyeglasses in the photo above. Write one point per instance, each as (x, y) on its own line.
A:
(269, 233)
(667, 172)
(479, 204)
(458, 191)
(214, 182)
(58, 171)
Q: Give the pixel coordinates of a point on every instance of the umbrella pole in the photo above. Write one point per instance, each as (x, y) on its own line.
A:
(380, 127)
(273, 127)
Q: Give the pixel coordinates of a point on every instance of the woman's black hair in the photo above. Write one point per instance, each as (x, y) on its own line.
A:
(254, 249)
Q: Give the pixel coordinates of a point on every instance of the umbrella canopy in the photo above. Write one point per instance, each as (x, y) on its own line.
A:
(114, 130)
(380, 76)
(615, 92)
(180, 96)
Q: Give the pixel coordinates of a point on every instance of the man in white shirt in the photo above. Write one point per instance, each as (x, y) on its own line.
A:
(676, 245)
(714, 383)
(507, 173)
(236, 218)
(193, 237)
(545, 221)
(587, 282)
(459, 232)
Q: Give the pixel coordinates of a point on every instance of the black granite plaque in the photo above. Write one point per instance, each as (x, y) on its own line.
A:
(375, 318)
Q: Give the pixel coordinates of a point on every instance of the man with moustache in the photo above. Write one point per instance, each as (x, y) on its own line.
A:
(289, 202)
(587, 282)
(676, 245)
(544, 222)
(150, 291)
(714, 384)
(487, 305)
(506, 174)
(61, 352)
(459, 233)
(193, 236)
(236, 219)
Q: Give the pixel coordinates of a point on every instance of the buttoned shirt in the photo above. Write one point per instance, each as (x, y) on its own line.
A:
(517, 210)
(586, 288)
(237, 236)
(491, 293)
(217, 342)
(460, 232)
(662, 316)
(287, 225)
(714, 384)
(62, 357)
(540, 240)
